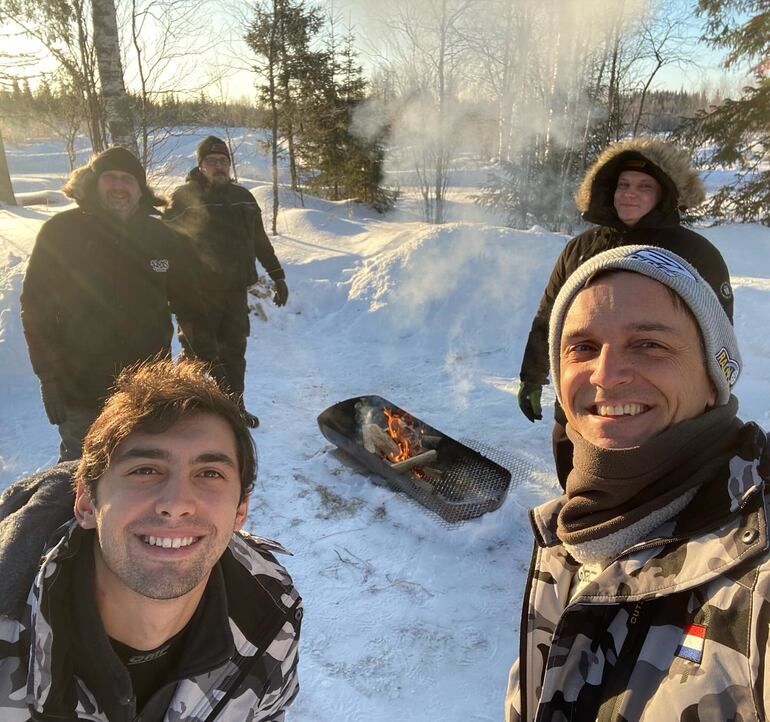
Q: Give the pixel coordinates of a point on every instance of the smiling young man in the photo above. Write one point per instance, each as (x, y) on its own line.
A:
(633, 193)
(223, 225)
(101, 285)
(648, 596)
(151, 603)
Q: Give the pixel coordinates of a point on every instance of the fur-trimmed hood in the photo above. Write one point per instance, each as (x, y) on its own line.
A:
(81, 187)
(682, 185)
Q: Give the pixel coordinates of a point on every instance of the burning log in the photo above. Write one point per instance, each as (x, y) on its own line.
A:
(417, 460)
(378, 441)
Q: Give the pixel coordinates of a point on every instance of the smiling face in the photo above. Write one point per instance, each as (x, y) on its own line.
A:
(165, 509)
(631, 362)
(118, 192)
(636, 194)
(216, 168)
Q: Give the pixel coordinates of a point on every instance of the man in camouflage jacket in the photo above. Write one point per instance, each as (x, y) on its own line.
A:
(648, 596)
(67, 637)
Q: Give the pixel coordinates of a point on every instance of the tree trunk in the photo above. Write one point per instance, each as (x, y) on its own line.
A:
(274, 112)
(86, 83)
(107, 46)
(144, 97)
(6, 189)
(643, 97)
(292, 155)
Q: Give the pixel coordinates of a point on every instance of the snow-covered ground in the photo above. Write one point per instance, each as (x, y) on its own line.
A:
(407, 617)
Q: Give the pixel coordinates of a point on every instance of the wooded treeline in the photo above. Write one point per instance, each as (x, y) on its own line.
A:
(534, 88)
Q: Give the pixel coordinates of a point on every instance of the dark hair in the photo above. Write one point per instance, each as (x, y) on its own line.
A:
(150, 398)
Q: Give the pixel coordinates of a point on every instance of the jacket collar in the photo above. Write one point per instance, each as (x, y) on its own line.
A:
(726, 524)
(196, 179)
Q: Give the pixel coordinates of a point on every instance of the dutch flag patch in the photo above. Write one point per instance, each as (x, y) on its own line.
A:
(692, 643)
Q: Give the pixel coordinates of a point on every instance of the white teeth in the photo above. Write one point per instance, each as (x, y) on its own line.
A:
(168, 542)
(625, 410)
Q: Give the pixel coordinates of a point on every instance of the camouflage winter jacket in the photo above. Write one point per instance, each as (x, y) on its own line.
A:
(245, 662)
(675, 628)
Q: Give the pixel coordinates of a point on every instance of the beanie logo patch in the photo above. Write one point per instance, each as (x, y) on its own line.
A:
(159, 265)
(725, 290)
(662, 262)
(730, 367)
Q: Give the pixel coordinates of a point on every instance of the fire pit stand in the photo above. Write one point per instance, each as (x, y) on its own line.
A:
(456, 482)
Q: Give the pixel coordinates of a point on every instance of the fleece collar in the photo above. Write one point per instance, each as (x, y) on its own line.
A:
(724, 525)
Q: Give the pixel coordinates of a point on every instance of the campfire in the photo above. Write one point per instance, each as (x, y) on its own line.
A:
(442, 474)
(403, 444)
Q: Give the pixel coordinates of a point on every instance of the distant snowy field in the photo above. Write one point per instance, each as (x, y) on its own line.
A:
(406, 618)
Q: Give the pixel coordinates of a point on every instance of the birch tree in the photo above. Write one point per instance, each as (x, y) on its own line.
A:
(119, 116)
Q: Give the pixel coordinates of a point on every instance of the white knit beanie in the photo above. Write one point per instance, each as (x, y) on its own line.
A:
(723, 359)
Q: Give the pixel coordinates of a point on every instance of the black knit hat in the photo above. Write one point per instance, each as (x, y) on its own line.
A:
(119, 159)
(212, 144)
(638, 163)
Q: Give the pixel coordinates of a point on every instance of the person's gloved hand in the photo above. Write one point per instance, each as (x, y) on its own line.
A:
(53, 401)
(281, 292)
(529, 400)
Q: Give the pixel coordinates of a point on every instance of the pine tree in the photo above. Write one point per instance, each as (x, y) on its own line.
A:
(346, 161)
(739, 130)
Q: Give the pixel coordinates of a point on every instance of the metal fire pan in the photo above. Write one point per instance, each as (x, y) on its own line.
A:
(470, 484)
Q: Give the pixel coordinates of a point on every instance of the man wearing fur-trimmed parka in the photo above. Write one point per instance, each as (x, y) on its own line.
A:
(224, 226)
(101, 285)
(633, 192)
(648, 595)
(130, 592)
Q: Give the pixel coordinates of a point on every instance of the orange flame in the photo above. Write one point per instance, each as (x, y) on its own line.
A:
(402, 431)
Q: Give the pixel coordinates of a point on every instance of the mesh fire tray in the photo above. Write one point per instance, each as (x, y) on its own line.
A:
(452, 480)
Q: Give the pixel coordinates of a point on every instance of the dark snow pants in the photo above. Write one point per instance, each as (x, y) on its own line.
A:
(229, 317)
(73, 430)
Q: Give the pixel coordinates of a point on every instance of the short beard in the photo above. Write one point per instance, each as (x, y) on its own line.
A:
(168, 585)
(219, 179)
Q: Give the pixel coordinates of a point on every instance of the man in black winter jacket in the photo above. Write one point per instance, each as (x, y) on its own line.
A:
(102, 282)
(224, 225)
(633, 192)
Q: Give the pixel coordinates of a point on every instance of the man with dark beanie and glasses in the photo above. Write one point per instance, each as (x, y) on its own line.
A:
(224, 226)
(648, 595)
(102, 283)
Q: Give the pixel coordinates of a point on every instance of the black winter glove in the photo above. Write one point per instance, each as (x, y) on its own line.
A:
(281, 292)
(529, 400)
(53, 401)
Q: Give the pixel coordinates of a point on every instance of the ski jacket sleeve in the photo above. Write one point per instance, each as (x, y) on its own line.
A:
(263, 249)
(534, 364)
(40, 311)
